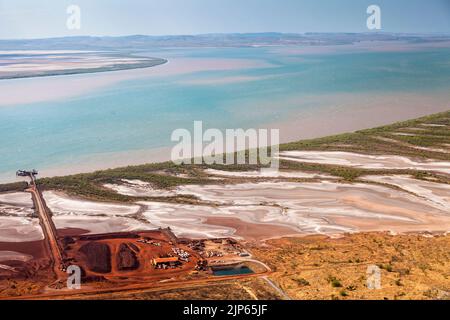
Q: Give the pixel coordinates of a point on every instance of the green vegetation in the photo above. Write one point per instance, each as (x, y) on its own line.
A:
(387, 267)
(408, 254)
(15, 186)
(343, 293)
(368, 141)
(160, 175)
(301, 282)
(431, 132)
(335, 283)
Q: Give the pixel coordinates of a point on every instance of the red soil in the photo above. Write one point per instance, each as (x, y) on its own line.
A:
(130, 259)
(251, 231)
(36, 249)
(71, 232)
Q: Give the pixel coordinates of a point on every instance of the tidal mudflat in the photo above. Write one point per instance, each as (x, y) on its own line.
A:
(42, 63)
(365, 161)
(392, 181)
(325, 207)
(319, 191)
(331, 185)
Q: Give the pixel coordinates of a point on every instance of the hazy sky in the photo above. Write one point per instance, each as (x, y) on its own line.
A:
(47, 18)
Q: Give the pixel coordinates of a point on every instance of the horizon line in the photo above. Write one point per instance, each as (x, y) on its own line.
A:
(236, 33)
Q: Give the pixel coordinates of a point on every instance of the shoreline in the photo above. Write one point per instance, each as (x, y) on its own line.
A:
(343, 114)
(250, 209)
(315, 125)
(25, 91)
(72, 72)
(80, 67)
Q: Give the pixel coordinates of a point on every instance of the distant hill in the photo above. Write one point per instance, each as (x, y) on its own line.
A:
(217, 40)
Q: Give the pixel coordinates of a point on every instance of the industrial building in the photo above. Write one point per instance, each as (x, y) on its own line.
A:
(165, 262)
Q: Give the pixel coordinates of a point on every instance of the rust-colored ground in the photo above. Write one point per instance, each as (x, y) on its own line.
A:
(317, 267)
(146, 253)
(251, 231)
(32, 248)
(412, 266)
(36, 278)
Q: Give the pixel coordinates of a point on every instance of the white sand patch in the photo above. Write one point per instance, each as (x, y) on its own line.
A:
(20, 199)
(323, 196)
(267, 174)
(433, 125)
(11, 210)
(189, 220)
(137, 188)
(97, 225)
(61, 204)
(439, 150)
(185, 220)
(312, 207)
(415, 129)
(15, 229)
(16, 204)
(14, 256)
(96, 217)
(137, 182)
(404, 134)
(324, 207)
(29, 64)
(408, 145)
(365, 161)
(437, 194)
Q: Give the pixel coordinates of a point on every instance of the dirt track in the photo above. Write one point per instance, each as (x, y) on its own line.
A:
(135, 288)
(48, 228)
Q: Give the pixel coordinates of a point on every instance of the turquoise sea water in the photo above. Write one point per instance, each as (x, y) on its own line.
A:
(142, 113)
